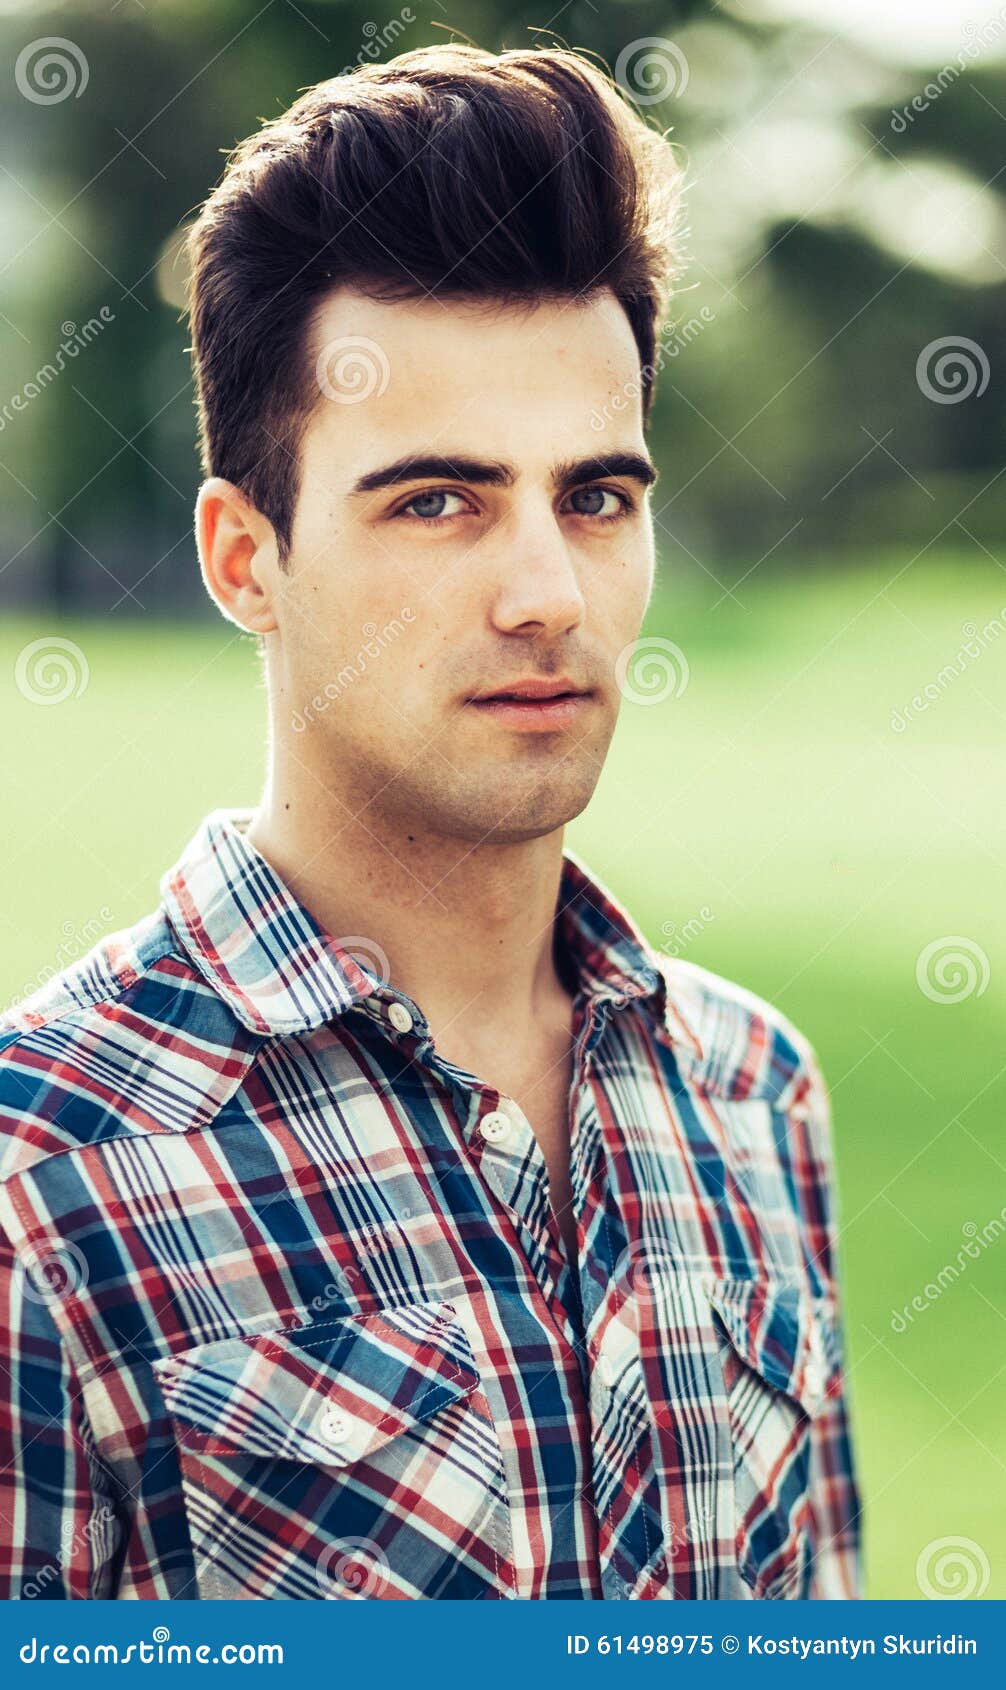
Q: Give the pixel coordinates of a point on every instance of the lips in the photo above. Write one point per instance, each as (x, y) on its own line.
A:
(534, 690)
(538, 711)
(526, 697)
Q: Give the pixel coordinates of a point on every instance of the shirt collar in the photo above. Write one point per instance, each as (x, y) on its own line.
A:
(263, 952)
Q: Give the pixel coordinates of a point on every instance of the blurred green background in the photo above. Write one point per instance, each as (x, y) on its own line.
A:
(831, 515)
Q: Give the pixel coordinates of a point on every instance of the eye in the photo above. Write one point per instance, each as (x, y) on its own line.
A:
(433, 506)
(591, 501)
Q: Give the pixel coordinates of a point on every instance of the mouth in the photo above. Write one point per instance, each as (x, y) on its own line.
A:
(536, 705)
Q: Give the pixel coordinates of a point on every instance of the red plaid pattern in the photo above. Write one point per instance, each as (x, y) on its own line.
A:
(282, 1322)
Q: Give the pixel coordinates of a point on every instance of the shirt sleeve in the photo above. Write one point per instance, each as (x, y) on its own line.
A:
(836, 1512)
(58, 1516)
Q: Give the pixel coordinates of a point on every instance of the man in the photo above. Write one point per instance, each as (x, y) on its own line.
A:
(383, 1217)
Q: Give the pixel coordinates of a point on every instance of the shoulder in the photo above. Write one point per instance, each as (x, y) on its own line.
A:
(749, 1048)
(128, 1040)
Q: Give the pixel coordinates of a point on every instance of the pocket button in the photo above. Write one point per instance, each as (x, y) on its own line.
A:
(814, 1377)
(335, 1427)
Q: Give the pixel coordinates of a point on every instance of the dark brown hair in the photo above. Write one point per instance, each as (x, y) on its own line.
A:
(515, 176)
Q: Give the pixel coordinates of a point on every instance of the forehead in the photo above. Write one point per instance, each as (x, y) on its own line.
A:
(526, 382)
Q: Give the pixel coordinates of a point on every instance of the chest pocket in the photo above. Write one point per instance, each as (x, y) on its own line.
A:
(350, 1458)
(778, 1353)
(735, 1371)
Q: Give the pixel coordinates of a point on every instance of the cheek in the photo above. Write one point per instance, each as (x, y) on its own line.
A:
(622, 585)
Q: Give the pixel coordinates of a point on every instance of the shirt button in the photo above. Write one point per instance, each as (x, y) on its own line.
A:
(334, 1426)
(606, 1371)
(813, 1377)
(400, 1018)
(494, 1126)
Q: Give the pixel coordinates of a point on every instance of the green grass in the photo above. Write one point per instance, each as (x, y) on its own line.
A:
(771, 814)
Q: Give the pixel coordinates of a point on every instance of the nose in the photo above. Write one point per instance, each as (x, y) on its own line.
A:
(538, 589)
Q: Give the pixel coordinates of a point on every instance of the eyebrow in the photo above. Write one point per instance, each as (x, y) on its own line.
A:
(632, 466)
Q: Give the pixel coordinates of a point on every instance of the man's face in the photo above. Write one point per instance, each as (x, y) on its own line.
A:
(520, 549)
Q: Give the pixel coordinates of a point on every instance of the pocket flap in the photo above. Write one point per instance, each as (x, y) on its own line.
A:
(329, 1392)
(787, 1336)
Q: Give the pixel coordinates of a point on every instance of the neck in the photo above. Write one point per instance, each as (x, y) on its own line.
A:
(467, 929)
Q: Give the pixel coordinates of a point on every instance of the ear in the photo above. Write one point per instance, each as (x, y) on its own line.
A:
(238, 555)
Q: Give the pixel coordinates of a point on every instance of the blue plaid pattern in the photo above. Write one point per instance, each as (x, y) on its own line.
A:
(281, 1322)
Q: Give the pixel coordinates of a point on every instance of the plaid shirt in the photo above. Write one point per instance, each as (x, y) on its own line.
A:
(289, 1315)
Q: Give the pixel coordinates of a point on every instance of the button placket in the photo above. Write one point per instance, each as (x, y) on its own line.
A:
(400, 1017)
(495, 1127)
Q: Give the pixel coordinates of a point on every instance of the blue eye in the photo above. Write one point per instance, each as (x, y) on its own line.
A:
(589, 501)
(427, 504)
(433, 505)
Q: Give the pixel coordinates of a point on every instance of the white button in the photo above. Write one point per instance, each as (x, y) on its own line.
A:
(813, 1377)
(400, 1018)
(334, 1426)
(495, 1126)
(607, 1371)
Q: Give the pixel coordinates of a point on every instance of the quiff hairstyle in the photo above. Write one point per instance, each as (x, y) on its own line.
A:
(510, 177)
